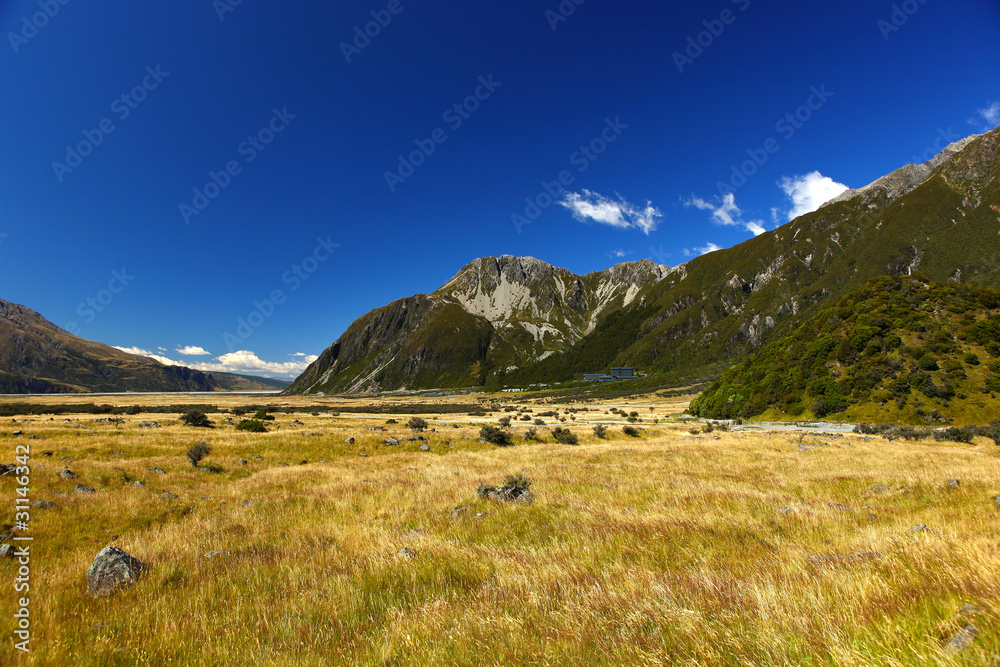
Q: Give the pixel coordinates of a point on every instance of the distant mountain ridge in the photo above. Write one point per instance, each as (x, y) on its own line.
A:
(38, 357)
(515, 321)
(496, 313)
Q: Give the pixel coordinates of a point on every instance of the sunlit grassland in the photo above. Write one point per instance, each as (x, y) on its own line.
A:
(668, 548)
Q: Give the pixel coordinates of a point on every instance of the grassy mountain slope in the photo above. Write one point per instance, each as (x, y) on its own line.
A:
(730, 302)
(898, 349)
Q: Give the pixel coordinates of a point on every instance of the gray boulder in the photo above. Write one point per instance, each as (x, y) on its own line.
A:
(6, 550)
(68, 474)
(962, 640)
(391, 442)
(168, 496)
(954, 483)
(425, 448)
(80, 488)
(406, 553)
(43, 504)
(113, 570)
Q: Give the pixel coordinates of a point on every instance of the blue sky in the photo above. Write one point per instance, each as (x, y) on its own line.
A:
(231, 186)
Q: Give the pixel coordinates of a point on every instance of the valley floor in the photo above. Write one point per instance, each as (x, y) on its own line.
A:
(721, 548)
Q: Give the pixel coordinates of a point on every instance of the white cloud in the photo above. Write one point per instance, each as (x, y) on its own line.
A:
(618, 254)
(243, 361)
(711, 247)
(193, 351)
(728, 214)
(134, 350)
(987, 118)
(810, 191)
(590, 206)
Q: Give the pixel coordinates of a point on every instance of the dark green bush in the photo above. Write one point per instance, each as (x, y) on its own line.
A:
(196, 418)
(197, 452)
(251, 426)
(496, 436)
(565, 436)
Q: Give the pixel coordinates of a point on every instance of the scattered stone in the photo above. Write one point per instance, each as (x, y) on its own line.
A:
(212, 554)
(68, 474)
(366, 456)
(8, 470)
(350, 441)
(391, 442)
(963, 639)
(205, 497)
(43, 504)
(303, 462)
(968, 610)
(158, 471)
(922, 528)
(880, 488)
(17, 433)
(168, 496)
(242, 462)
(117, 453)
(80, 488)
(425, 448)
(406, 553)
(506, 494)
(458, 511)
(250, 501)
(6, 550)
(139, 485)
(954, 483)
(996, 501)
(839, 507)
(417, 438)
(258, 458)
(414, 534)
(112, 570)
(148, 425)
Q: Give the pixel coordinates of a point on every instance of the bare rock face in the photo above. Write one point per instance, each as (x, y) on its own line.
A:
(113, 570)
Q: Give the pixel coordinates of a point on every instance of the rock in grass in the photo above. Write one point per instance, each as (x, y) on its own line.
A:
(158, 471)
(212, 554)
(43, 504)
(350, 441)
(954, 483)
(391, 442)
(113, 570)
(6, 550)
(425, 448)
(506, 494)
(80, 488)
(242, 462)
(406, 553)
(839, 507)
(963, 639)
(968, 610)
(68, 474)
(996, 501)
(139, 485)
(168, 496)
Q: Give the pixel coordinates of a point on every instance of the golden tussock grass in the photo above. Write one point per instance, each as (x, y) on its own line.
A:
(666, 549)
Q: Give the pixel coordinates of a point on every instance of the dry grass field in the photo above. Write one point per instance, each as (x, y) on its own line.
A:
(757, 548)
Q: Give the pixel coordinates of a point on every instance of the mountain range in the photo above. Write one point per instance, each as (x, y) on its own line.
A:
(516, 321)
(38, 357)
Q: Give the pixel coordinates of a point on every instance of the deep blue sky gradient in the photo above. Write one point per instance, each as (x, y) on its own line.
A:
(323, 176)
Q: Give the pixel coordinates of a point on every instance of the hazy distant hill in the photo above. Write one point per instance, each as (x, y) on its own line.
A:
(38, 357)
